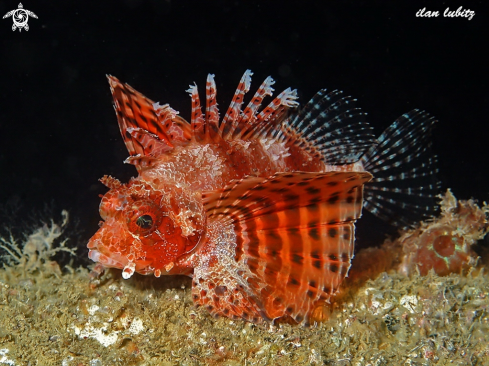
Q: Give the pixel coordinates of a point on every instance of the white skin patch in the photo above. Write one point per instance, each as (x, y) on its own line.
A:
(128, 270)
(199, 165)
(356, 167)
(276, 150)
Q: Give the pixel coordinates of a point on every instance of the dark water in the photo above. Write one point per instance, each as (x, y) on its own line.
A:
(58, 132)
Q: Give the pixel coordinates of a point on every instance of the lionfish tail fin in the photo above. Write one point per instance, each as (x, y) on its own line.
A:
(294, 234)
(404, 187)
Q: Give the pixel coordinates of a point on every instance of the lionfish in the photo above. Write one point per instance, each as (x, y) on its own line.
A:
(258, 207)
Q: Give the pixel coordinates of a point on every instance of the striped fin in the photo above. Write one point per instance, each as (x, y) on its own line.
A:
(162, 123)
(248, 117)
(211, 124)
(404, 187)
(331, 127)
(149, 143)
(147, 128)
(237, 123)
(197, 119)
(295, 233)
(229, 122)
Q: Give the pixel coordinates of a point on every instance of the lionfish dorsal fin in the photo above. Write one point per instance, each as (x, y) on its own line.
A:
(230, 120)
(236, 123)
(294, 233)
(331, 127)
(147, 128)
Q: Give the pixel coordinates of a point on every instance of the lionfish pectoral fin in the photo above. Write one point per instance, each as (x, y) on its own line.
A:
(404, 187)
(294, 234)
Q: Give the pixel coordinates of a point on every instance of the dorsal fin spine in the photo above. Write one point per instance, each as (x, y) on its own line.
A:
(274, 113)
(232, 116)
(149, 142)
(211, 110)
(239, 124)
(248, 117)
(197, 120)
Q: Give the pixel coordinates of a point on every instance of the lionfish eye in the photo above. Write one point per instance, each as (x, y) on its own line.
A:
(144, 221)
(142, 217)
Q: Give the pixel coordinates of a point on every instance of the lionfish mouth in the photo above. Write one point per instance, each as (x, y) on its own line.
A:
(96, 254)
(99, 257)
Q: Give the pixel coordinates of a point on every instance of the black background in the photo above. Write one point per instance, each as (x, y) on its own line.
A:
(59, 134)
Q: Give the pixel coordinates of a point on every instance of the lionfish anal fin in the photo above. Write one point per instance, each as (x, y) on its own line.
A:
(294, 234)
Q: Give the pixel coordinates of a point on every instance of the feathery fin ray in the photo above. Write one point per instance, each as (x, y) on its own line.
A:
(404, 187)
